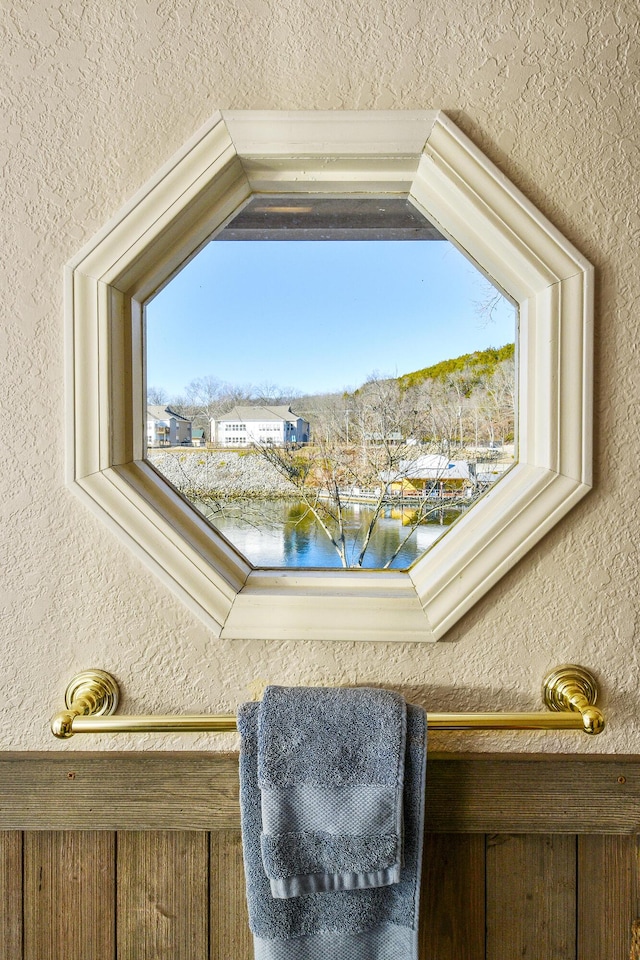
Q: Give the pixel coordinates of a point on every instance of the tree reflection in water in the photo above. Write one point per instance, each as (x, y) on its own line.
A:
(279, 533)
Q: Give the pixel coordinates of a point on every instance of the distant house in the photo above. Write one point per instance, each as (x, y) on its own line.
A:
(166, 428)
(430, 473)
(198, 438)
(275, 426)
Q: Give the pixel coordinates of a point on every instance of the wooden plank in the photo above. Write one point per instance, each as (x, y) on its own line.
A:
(230, 935)
(608, 892)
(531, 794)
(199, 791)
(531, 897)
(126, 791)
(162, 898)
(69, 895)
(10, 895)
(452, 914)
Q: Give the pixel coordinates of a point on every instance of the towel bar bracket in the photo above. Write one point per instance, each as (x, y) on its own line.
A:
(92, 693)
(570, 690)
(571, 687)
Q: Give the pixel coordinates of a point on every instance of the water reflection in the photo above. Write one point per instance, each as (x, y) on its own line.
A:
(276, 533)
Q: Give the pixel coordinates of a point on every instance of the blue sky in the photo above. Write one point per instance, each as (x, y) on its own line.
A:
(318, 316)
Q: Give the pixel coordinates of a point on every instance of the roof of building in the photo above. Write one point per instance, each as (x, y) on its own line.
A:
(252, 413)
(429, 466)
(160, 412)
(434, 466)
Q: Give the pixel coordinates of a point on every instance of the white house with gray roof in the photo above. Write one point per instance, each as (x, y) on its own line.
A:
(265, 426)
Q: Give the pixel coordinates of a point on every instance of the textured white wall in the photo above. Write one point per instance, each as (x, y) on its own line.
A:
(96, 96)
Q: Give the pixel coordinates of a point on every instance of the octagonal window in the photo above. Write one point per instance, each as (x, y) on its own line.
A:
(331, 383)
(241, 159)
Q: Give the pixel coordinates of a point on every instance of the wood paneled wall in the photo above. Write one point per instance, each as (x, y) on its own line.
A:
(149, 864)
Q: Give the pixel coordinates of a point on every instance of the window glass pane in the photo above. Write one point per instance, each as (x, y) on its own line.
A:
(331, 382)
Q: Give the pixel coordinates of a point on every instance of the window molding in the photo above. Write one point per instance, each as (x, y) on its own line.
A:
(420, 154)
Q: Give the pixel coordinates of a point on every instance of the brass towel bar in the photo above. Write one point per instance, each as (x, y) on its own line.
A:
(569, 692)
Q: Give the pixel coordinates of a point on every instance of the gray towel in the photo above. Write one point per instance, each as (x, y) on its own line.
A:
(323, 813)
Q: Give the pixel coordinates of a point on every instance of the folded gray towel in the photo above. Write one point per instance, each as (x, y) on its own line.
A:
(323, 809)
(330, 769)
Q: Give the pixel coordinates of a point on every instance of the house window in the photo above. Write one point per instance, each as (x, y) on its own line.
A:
(417, 154)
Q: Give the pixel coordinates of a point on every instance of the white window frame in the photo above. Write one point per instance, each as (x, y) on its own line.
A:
(418, 154)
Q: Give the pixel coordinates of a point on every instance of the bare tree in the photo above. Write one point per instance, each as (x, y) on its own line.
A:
(270, 394)
(206, 398)
(489, 300)
(366, 446)
(157, 396)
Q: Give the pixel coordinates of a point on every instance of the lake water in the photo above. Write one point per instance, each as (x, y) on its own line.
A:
(281, 534)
